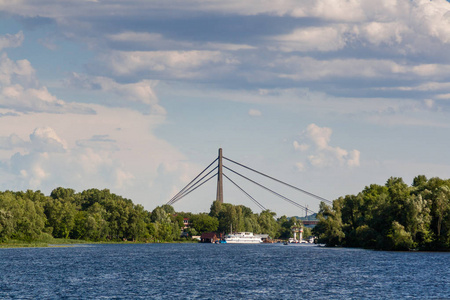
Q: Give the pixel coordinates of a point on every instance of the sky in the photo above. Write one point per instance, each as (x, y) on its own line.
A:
(137, 96)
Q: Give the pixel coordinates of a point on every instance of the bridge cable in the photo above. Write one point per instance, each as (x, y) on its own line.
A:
(282, 182)
(174, 199)
(248, 195)
(192, 187)
(180, 192)
(273, 192)
(187, 193)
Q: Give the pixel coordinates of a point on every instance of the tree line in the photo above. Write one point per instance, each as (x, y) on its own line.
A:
(390, 217)
(99, 215)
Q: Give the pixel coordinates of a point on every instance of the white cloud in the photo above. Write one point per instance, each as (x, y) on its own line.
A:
(131, 36)
(334, 37)
(350, 10)
(19, 71)
(99, 142)
(37, 175)
(27, 171)
(390, 33)
(92, 161)
(443, 96)
(21, 92)
(322, 155)
(13, 141)
(177, 64)
(156, 41)
(142, 91)
(429, 103)
(45, 139)
(353, 158)
(254, 113)
(301, 147)
(319, 135)
(307, 68)
(312, 39)
(18, 98)
(433, 17)
(124, 179)
(114, 148)
(11, 41)
(228, 46)
(423, 87)
(300, 166)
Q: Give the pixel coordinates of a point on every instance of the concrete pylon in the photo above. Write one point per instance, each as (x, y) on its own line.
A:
(220, 179)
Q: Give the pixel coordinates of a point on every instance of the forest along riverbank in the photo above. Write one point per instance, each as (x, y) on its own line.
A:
(101, 216)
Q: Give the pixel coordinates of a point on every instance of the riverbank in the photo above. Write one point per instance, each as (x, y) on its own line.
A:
(41, 243)
(70, 242)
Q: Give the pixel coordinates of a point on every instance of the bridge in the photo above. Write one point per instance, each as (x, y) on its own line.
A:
(211, 172)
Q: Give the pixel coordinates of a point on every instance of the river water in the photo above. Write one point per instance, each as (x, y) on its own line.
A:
(210, 271)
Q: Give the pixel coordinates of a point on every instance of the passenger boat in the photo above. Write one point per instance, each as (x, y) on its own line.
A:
(243, 238)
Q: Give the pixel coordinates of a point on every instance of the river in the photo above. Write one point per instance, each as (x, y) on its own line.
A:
(210, 271)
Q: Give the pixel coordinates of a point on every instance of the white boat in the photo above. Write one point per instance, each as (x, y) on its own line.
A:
(243, 238)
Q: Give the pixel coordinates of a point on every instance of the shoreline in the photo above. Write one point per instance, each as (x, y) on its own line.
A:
(63, 243)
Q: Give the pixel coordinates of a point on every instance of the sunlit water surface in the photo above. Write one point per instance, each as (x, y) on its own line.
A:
(210, 271)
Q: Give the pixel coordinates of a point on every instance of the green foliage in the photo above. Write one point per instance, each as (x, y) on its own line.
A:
(284, 228)
(60, 216)
(399, 238)
(307, 232)
(159, 214)
(268, 224)
(329, 229)
(204, 223)
(216, 208)
(94, 215)
(20, 217)
(392, 217)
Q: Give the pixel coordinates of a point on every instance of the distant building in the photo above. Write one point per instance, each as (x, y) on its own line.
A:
(186, 223)
(208, 237)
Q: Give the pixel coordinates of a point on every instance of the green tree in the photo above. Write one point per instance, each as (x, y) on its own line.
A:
(251, 224)
(204, 223)
(159, 214)
(399, 238)
(62, 193)
(227, 218)
(306, 232)
(268, 224)
(137, 229)
(285, 226)
(20, 218)
(329, 228)
(216, 208)
(60, 217)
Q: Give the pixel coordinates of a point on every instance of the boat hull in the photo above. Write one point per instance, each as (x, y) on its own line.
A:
(243, 238)
(243, 242)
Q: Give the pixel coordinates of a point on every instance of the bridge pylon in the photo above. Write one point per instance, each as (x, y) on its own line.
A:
(220, 178)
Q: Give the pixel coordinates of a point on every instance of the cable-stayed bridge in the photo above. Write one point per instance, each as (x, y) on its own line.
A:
(216, 170)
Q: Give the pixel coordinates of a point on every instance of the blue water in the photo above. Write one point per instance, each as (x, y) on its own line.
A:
(209, 271)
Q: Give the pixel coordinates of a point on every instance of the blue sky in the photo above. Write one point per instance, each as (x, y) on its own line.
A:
(137, 96)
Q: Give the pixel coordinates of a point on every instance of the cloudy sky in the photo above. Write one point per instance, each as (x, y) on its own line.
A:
(137, 96)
